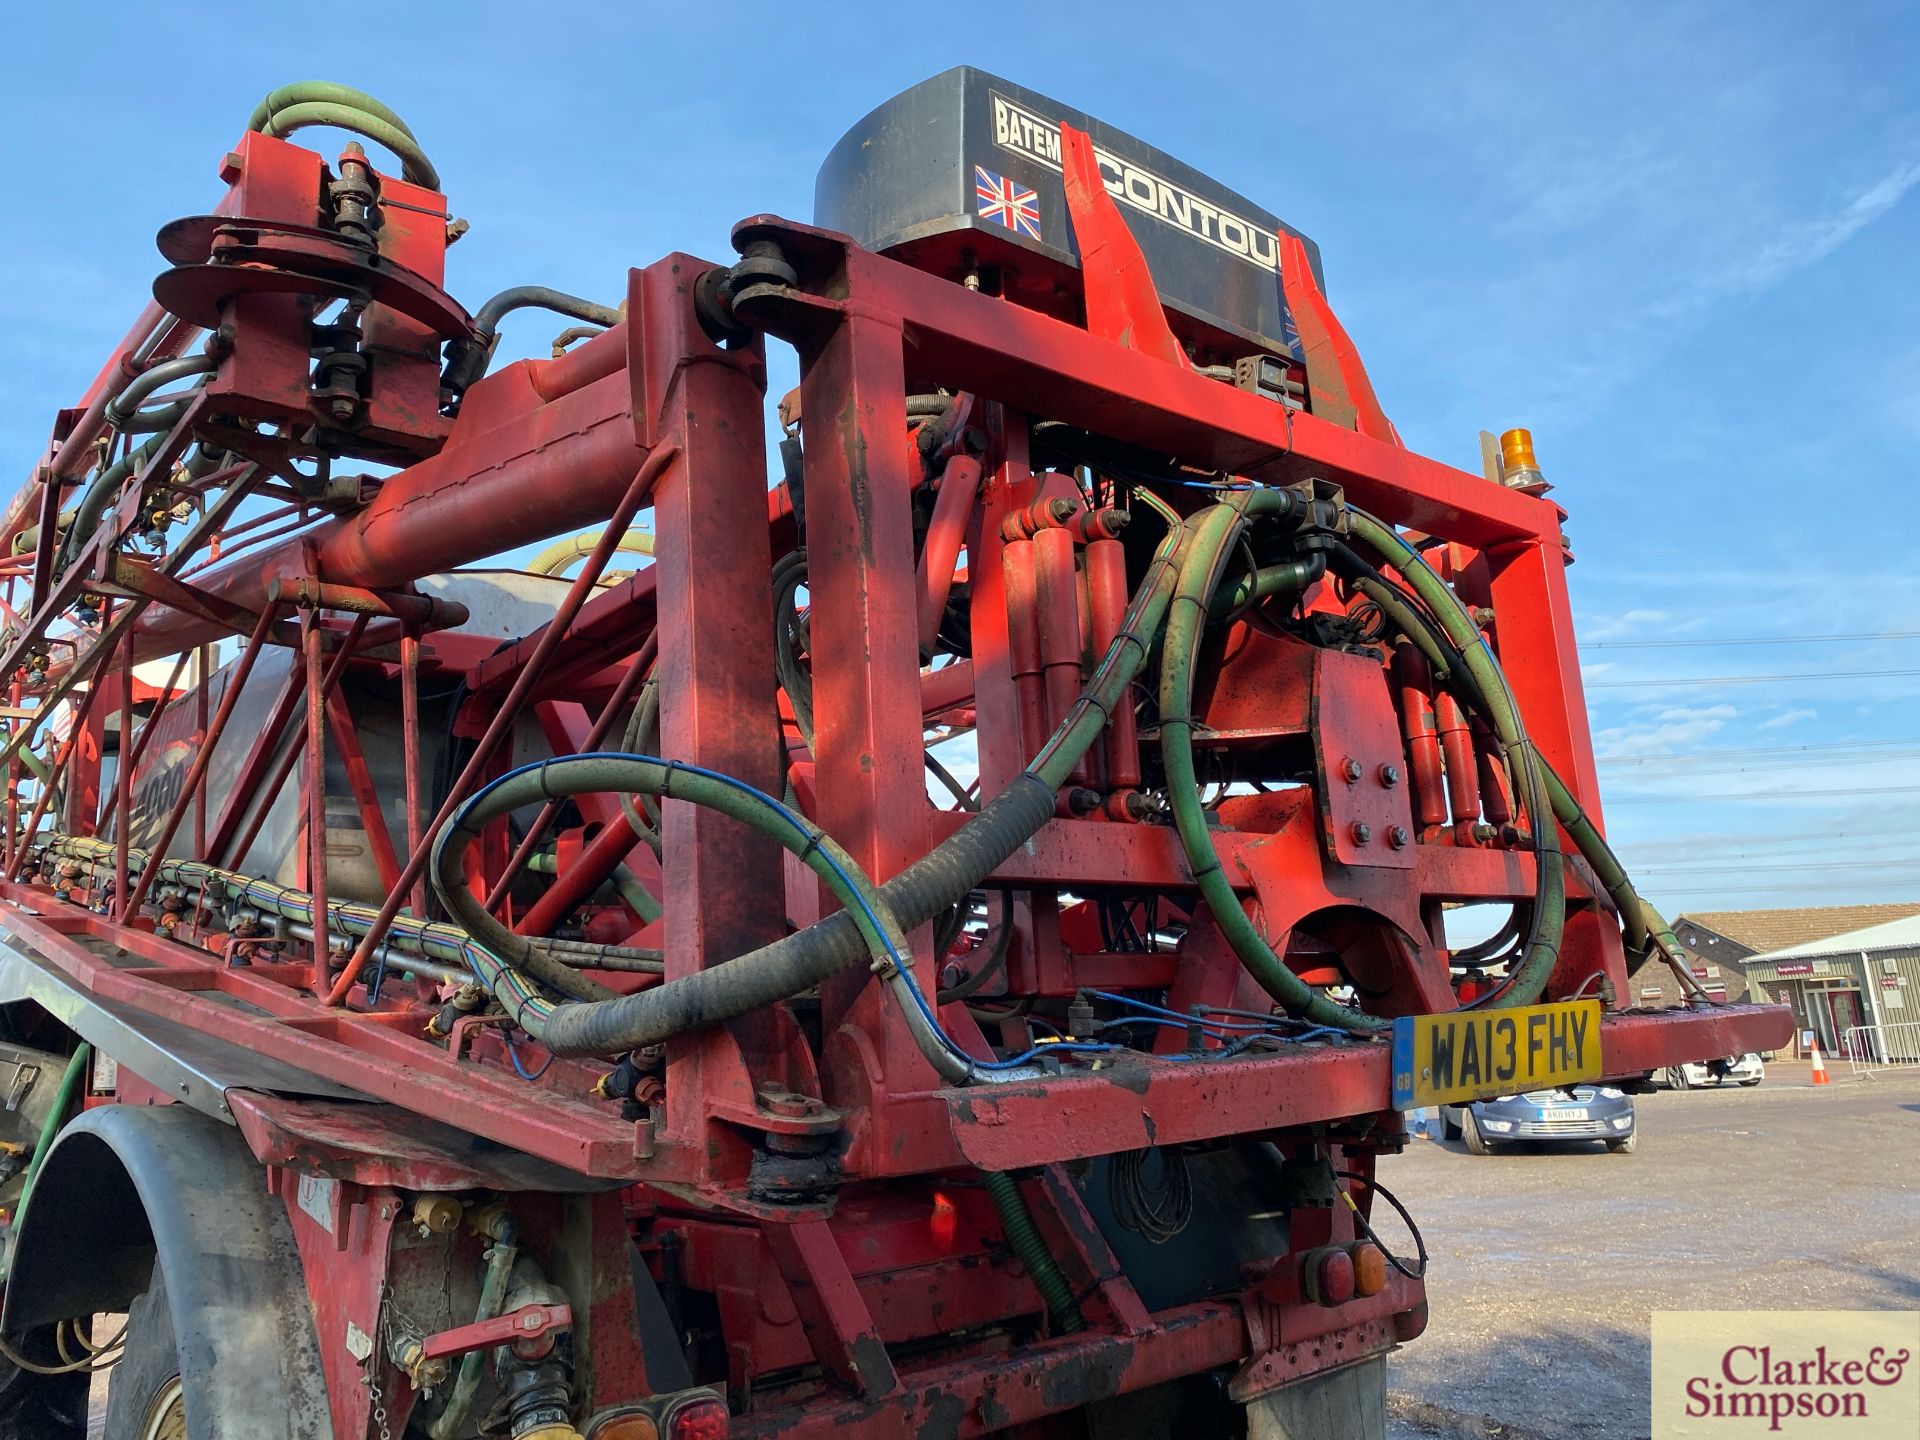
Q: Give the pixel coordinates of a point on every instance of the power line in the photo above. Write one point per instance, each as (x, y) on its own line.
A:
(1774, 889)
(1775, 795)
(1749, 640)
(1742, 867)
(1755, 750)
(1751, 679)
(1791, 847)
(1651, 773)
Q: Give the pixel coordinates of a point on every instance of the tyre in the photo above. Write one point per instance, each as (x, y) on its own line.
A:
(1677, 1079)
(1477, 1144)
(1749, 1084)
(1625, 1145)
(146, 1399)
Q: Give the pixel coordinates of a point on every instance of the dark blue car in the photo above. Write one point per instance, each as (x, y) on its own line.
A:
(1579, 1112)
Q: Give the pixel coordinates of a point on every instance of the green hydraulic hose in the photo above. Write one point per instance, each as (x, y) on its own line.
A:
(1032, 1251)
(70, 1082)
(30, 762)
(625, 881)
(415, 167)
(501, 1256)
(562, 553)
(798, 962)
(1549, 910)
(1645, 929)
(1289, 577)
(599, 773)
(1187, 617)
(302, 92)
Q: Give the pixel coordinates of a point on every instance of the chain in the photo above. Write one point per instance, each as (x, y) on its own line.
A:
(379, 1405)
(376, 1363)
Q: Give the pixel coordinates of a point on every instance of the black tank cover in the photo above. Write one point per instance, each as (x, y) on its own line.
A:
(963, 172)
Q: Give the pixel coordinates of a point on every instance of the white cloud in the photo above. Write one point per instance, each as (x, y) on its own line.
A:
(1665, 732)
(1788, 717)
(1626, 623)
(1812, 241)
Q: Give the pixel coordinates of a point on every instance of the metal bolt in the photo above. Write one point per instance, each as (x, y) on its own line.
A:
(1352, 770)
(1389, 775)
(1361, 832)
(1397, 837)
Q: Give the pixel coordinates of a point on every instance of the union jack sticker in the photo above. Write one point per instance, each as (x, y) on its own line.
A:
(1007, 202)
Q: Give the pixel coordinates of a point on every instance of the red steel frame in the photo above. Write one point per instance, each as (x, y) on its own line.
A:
(543, 447)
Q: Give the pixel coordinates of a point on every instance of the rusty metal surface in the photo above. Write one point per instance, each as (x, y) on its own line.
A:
(798, 1171)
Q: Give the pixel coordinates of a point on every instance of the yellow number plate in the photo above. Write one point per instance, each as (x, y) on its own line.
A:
(1477, 1054)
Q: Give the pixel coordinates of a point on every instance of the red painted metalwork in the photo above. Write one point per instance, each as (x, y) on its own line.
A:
(800, 1173)
(531, 1326)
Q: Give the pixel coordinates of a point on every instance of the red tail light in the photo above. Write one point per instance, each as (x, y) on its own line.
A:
(1328, 1273)
(703, 1418)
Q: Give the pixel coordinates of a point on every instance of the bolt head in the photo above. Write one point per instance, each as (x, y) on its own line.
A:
(1389, 775)
(1351, 769)
(1361, 832)
(1397, 837)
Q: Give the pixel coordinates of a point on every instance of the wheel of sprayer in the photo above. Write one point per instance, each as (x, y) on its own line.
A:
(146, 1397)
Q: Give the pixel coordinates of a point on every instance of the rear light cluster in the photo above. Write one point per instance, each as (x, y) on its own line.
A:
(689, 1415)
(701, 1419)
(1335, 1274)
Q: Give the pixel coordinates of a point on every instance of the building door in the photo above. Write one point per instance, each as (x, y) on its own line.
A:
(1843, 1008)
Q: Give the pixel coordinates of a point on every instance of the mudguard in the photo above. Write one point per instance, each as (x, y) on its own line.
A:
(126, 1184)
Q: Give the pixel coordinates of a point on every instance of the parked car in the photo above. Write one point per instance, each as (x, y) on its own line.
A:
(1746, 1069)
(1579, 1112)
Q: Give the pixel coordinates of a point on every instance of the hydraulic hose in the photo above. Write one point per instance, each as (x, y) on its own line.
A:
(325, 92)
(70, 1081)
(467, 358)
(121, 408)
(540, 297)
(1643, 929)
(100, 495)
(562, 553)
(493, 1293)
(798, 962)
(635, 774)
(1187, 616)
(1032, 1251)
(344, 917)
(318, 102)
(1476, 661)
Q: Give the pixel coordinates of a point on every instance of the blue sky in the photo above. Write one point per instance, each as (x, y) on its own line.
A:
(1679, 242)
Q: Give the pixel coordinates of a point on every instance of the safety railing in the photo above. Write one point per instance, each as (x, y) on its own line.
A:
(1882, 1047)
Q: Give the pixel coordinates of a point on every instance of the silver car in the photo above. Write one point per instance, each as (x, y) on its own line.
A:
(1578, 1112)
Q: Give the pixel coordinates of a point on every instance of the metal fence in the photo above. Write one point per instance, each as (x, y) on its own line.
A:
(1882, 1047)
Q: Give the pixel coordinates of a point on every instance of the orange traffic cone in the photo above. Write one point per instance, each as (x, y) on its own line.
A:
(1819, 1067)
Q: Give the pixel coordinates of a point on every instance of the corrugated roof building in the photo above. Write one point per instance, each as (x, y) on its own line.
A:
(1857, 992)
(1722, 941)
